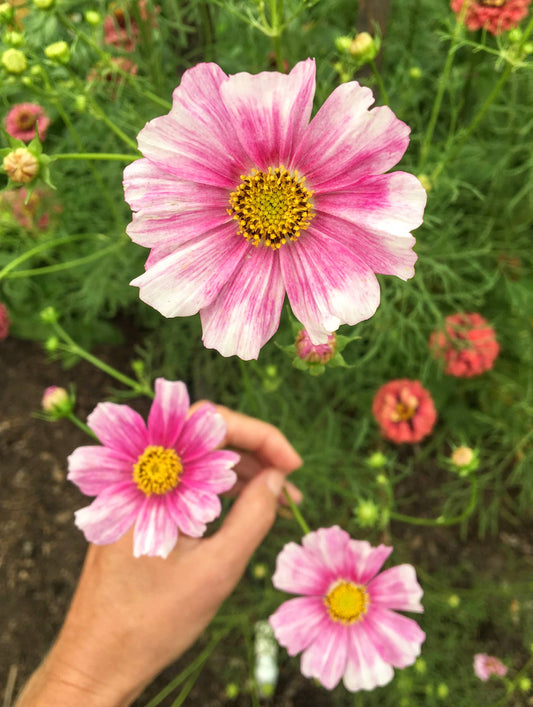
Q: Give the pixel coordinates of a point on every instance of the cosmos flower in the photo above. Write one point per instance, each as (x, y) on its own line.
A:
(404, 410)
(121, 29)
(4, 322)
(496, 16)
(344, 623)
(315, 353)
(35, 212)
(241, 200)
(24, 118)
(161, 477)
(467, 345)
(487, 665)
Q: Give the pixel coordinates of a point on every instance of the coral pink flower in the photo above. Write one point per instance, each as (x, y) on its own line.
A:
(467, 345)
(496, 16)
(24, 118)
(242, 200)
(162, 477)
(4, 322)
(121, 29)
(404, 410)
(344, 622)
(487, 665)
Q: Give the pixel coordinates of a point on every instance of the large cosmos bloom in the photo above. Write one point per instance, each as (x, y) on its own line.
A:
(467, 345)
(23, 119)
(496, 16)
(162, 476)
(345, 624)
(241, 200)
(404, 410)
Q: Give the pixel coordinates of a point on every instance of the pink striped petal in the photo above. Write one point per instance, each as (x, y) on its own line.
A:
(326, 657)
(93, 468)
(194, 274)
(396, 588)
(396, 638)
(365, 668)
(270, 111)
(212, 472)
(202, 432)
(301, 571)
(329, 546)
(183, 516)
(327, 286)
(366, 560)
(246, 312)
(297, 623)
(202, 505)
(120, 428)
(168, 412)
(155, 530)
(111, 514)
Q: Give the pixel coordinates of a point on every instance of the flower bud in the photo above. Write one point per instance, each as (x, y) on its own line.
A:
(524, 684)
(453, 601)
(93, 18)
(515, 35)
(464, 460)
(43, 4)
(4, 322)
(315, 353)
(231, 690)
(21, 165)
(49, 315)
(51, 344)
(415, 72)
(366, 514)
(13, 38)
(377, 460)
(80, 103)
(14, 61)
(364, 48)
(56, 401)
(260, 570)
(7, 13)
(343, 43)
(442, 691)
(58, 52)
(420, 666)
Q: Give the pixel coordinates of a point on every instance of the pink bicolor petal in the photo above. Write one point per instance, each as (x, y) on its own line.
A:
(183, 516)
(326, 284)
(270, 111)
(168, 412)
(366, 560)
(297, 623)
(203, 505)
(247, 310)
(198, 125)
(120, 428)
(328, 546)
(202, 432)
(365, 668)
(326, 657)
(345, 142)
(396, 588)
(111, 514)
(301, 571)
(93, 468)
(397, 638)
(193, 275)
(155, 530)
(212, 472)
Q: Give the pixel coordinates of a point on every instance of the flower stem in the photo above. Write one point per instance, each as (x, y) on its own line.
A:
(296, 512)
(47, 269)
(276, 19)
(94, 156)
(76, 420)
(441, 521)
(38, 249)
(381, 85)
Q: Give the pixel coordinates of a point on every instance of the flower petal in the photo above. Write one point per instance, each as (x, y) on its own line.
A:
(94, 468)
(397, 588)
(111, 514)
(202, 505)
(202, 432)
(168, 412)
(297, 623)
(299, 570)
(397, 638)
(329, 546)
(365, 668)
(326, 657)
(270, 111)
(366, 560)
(120, 428)
(212, 472)
(246, 312)
(155, 529)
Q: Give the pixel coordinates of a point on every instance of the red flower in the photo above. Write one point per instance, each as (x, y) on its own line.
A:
(496, 16)
(4, 322)
(467, 345)
(22, 120)
(404, 410)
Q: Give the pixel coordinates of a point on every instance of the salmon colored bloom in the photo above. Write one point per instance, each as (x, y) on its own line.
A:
(161, 477)
(467, 345)
(496, 16)
(487, 665)
(243, 200)
(23, 119)
(4, 322)
(345, 624)
(404, 410)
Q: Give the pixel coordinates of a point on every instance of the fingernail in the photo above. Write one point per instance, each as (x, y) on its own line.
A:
(275, 481)
(295, 493)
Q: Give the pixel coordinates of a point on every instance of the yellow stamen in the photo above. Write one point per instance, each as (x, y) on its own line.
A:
(271, 207)
(346, 602)
(157, 470)
(493, 3)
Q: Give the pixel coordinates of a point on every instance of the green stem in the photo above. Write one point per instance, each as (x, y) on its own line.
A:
(94, 156)
(47, 269)
(101, 115)
(76, 420)
(276, 17)
(433, 522)
(296, 512)
(382, 89)
(38, 249)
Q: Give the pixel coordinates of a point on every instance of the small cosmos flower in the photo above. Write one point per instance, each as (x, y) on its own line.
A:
(23, 119)
(162, 477)
(496, 16)
(487, 665)
(242, 199)
(345, 624)
(4, 322)
(404, 410)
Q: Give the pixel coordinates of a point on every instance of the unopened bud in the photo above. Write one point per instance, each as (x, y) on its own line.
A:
(464, 460)
(515, 35)
(49, 315)
(377, 460)
(80, 103)
(7, 12)
(51, 344)
(524, 684)
(58, 52)
(231, 690)
(92, 17)
(415, 72)
(315, 353)
(454, 601)
(343, 43)
(442, 691)
(260, 570)
(366, 514)
(56, 401)
(14, 61)
(21, 165)
(43, 4)
(420, 666)
(13, 38)
(364, 48)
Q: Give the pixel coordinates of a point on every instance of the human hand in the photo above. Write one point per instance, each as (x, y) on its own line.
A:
(130, 617)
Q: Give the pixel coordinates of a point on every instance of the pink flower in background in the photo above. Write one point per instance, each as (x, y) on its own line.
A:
(241, 200)
(34, 213)
(121, 29)
(161, 477)
(487, 665)
(4, 322)
(23, 119)
(496, 16)
(467, 345)
(404, 410)
(344, 623)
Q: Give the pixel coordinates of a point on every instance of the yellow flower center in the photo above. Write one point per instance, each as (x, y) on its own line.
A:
(404, 411)
(271, 207)
(157, 470)
(493, 3)
(346, 602)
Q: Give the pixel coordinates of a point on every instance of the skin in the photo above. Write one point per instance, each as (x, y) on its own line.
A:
(130, 617)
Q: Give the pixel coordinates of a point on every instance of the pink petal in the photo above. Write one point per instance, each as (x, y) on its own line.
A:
(111, 514)
(120, 428)
(297, 623)
(155, 529)
(326, 657)
(168, 412)
(366, 560)
(397, 638)
(212, 472)
(93, 468)
(365, 668)
(202, 432)
(329, 547)
(345, 141)
(194, 274)
(183, 515)
(270, 111)
(246, 312)
(202, 505)
(299, 570)
(327, 285)
(197, 126)
(396, 588)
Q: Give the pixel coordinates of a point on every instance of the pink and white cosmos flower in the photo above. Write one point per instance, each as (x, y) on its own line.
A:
(162, 477)
(242, 199)
(345, 625)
